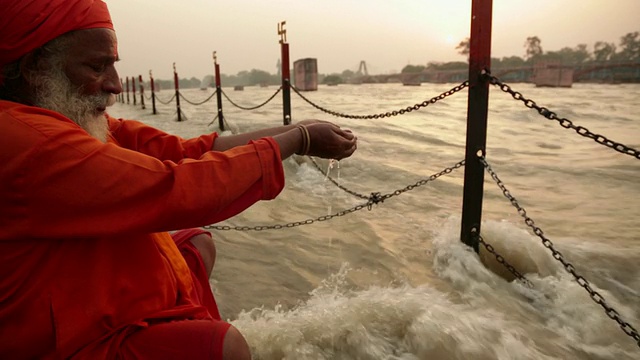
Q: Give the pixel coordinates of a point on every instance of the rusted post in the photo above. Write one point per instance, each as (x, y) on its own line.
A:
(286, 79)
(478, 103)
(127, 89)
(141, 92)
(133, 89)
(153, 93)
(218, 92)
(175, 83)
(121, 95)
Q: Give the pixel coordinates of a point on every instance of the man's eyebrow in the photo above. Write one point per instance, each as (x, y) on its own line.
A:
(106, 58)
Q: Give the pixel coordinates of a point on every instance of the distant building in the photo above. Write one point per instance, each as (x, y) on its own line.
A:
(305, 74)
(552, 74)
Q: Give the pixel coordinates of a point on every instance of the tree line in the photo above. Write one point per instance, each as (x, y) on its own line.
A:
(245, 78)
(628, 50)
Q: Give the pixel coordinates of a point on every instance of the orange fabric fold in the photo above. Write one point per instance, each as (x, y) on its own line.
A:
(84, 257)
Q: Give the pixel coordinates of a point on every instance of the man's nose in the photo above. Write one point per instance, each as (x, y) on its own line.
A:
(112, 83)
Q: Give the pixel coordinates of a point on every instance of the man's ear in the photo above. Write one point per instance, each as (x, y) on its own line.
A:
(32, 64)
(28, 66)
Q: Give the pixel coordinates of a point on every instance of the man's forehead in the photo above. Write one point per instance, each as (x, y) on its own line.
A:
(96, 42)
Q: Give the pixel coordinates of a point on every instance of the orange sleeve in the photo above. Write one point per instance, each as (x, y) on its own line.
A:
(59, 182)
(134, 135)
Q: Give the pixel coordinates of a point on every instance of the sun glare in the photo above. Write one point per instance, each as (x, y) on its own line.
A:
(449, 39)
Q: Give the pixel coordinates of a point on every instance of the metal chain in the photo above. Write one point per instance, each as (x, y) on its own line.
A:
(200, 103)
(504, 263)
(336, 183)
(254, 107)
(373, 199)
(595, 296)
(166, 102)
(389, 113)
(564, 122)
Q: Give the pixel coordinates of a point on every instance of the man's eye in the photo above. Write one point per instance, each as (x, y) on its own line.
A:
(97, 67)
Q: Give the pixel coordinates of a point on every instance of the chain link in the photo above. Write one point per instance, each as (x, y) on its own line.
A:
(200, 103)
(373, 199)
(336, 183)
(254, 107)
(595, 296)
(389, 113)
(504, 263)
(564, 122)
(166, 102)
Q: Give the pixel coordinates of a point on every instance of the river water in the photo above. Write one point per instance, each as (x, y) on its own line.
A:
(395, 282)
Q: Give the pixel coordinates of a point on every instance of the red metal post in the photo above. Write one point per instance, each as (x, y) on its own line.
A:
(477, 108)
(218, 92)
(133, 89)
(141, 91)
(286, 78)
(175, 83)
(127, 89)
(153, 93)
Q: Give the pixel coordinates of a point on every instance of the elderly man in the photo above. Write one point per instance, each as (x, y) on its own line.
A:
(87, 268)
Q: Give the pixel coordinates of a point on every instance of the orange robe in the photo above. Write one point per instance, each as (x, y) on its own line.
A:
(84, 259)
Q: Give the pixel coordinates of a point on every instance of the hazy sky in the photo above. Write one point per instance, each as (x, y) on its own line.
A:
(387, 34)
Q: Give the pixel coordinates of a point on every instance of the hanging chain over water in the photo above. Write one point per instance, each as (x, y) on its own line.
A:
(565, 123)
(326, 175)
(254, 107)
(373, 199)
(595, 295)
(389, 113)
(165, 102)
(199, 103)
(500, 259)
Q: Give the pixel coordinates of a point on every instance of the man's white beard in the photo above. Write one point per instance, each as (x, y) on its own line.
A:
(55, 92)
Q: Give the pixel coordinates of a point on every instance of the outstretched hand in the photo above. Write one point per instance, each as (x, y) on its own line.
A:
(329, 141)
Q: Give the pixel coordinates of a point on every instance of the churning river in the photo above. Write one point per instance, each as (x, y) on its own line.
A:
(394, 281)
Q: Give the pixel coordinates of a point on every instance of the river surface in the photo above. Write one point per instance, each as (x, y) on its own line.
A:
(395, 282)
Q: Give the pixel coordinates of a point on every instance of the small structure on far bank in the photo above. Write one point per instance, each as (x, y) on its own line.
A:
(552, 74)
(306, 74)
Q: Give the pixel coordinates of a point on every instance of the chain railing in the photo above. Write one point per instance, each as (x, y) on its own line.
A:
(166, 102)
(376, 197)
(358, 195)
(501, 260)
(595, 295)
(564, 122)
(373, 199)
(252, 107)
(198, 103)
(408, 109)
